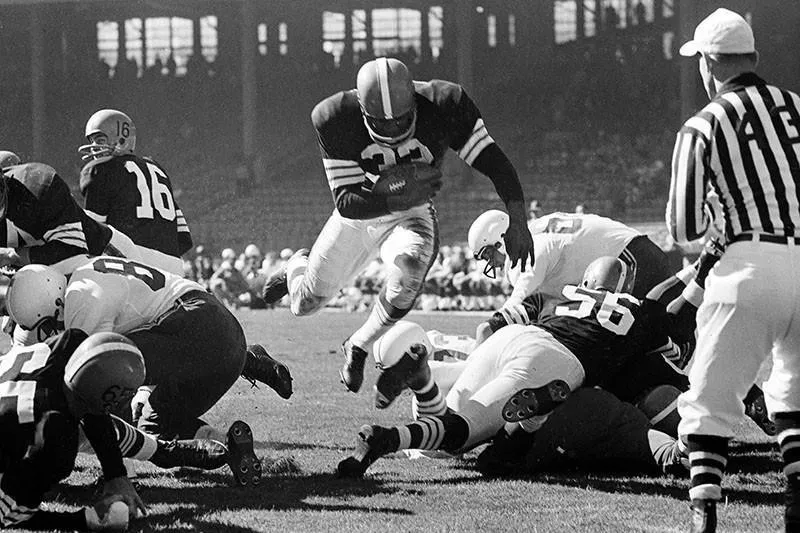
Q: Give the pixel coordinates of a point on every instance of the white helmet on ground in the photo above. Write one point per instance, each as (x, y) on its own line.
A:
(8, 159)
(35, 298)
(109, 132)
(486, 236)
(391, 347)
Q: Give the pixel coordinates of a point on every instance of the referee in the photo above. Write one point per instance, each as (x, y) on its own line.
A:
(744, 146)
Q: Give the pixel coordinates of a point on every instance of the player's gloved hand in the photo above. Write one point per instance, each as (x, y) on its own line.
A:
(519, 243)
(138, 401)
(120, 489)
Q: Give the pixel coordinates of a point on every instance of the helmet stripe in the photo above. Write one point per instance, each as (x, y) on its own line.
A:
(382, 64)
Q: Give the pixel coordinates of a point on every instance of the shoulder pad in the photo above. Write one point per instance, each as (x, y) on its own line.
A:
(34, 176)
(439, 92)
(335, 107)
(88, 170)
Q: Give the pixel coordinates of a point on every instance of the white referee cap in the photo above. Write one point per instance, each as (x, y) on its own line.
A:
(722, 32)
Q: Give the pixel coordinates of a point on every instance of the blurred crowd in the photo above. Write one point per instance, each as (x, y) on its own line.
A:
(455, 282)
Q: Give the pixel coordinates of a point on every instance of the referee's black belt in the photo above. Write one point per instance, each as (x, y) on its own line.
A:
(766, 237)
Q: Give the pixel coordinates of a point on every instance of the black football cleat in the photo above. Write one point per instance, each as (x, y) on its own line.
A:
(372, 443)
(260, 366)
(412, 369)
(704, 516)
(352, 373)
(756, 409)
(204, 454)
(277, 286)
(244, 464)
(528, 403)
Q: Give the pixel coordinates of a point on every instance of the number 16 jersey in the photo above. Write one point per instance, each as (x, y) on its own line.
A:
(115, 294)
(134, 195)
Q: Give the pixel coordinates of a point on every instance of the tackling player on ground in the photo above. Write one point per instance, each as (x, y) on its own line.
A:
(391, 128)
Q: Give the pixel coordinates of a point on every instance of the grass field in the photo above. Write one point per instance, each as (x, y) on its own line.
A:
(303, 439)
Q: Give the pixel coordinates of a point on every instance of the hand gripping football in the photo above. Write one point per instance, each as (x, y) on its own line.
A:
(401, 179)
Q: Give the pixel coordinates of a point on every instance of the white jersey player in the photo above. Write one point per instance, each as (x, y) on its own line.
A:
(564, 245)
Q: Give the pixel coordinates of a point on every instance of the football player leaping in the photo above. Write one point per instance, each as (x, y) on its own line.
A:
(193, 347)
(372, 133)
(582, 337)
(132, 193)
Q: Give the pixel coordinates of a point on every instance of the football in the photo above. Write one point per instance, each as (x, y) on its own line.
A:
(396, 180)
(660, 406)
(104, 373)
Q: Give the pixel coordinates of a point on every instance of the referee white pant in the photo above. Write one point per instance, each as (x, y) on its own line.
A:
(751, 310)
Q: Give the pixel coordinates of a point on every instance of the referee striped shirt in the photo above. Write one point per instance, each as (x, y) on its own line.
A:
(745, 147)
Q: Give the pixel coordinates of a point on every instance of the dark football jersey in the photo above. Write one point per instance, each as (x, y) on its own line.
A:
(31, 383)
(44, 217)
(446, 118)
(603, 329)
(134, 195)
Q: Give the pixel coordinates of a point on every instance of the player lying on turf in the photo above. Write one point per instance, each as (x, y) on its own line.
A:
(50, 390)
(582, 337)
(194, 348)
(564, 241)
(595, 430)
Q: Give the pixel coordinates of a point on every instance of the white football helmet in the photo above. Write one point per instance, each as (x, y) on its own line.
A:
(8, 159)
(391, 347)
(109, 132)
(387, 98)
(609, 273)
(486, 235)
(35, 298)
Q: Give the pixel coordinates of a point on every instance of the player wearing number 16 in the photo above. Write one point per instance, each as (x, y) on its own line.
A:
(382, 147)
(194, 349)
(132, 193)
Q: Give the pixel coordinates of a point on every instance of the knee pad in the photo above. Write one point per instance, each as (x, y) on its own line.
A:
(404, 284)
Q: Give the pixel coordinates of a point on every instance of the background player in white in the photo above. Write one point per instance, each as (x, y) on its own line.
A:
(564, 245)
(131, 193)
(194, 348)
(388, 124)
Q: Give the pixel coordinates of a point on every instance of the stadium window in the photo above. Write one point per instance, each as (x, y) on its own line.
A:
(108, 42)
(333, 34)
(397, 31)
(668, 41)
(358, 19)
(283, 38)
(512, 30)
(262, 38)
(435, 31)
(668, 9)
(209, 42)
(590, 18)
(565, 18)
(491, 29)
(133, 41)
(169, 36)
(616, 9)
(157, 38)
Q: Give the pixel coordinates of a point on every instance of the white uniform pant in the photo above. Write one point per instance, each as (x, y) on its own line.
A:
(514, 358)
(750, 311)
(406, 242)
